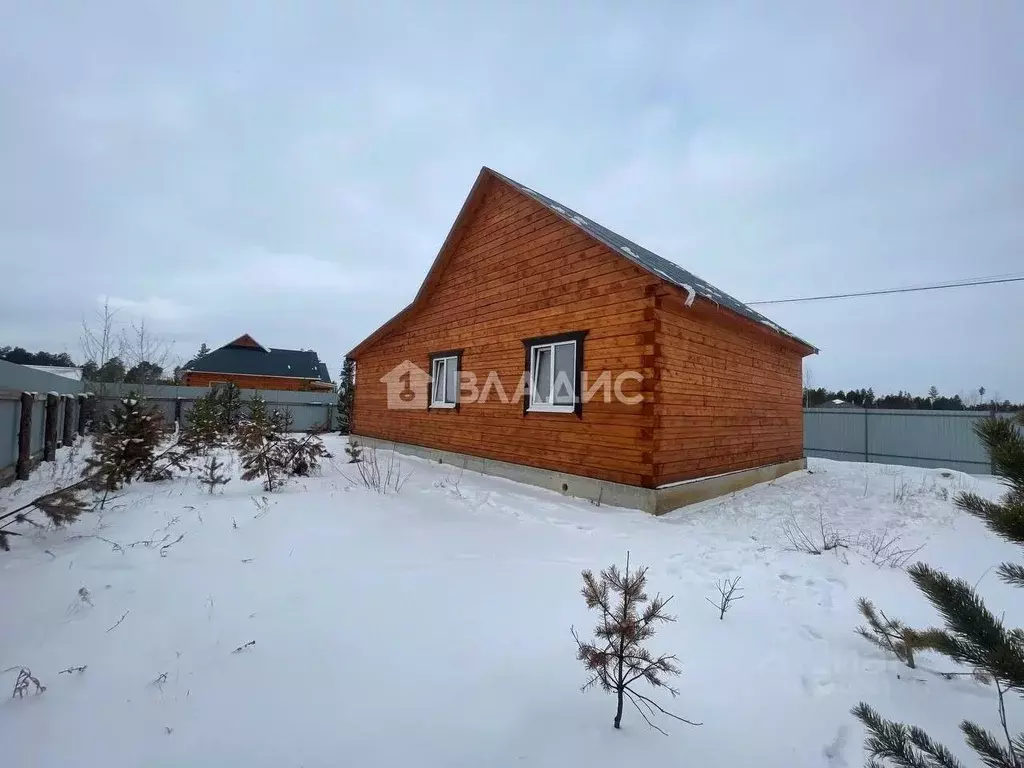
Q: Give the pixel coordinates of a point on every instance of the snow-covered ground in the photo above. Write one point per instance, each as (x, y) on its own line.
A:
(431, 628)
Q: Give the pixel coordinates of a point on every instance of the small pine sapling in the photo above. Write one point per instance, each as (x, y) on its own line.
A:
(346, 393)
(302, 456)
(617, 660)
(890, 635)
(205, 425)
(212, 476)
(282, 419)
(229, 398)
(354, 451)
(126, 447)
(258, 410)
(60, 507)
(257, 443)
(727, 589)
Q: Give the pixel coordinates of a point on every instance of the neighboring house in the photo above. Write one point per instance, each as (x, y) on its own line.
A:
(250, 365)
(65, 371)
(837, 403)
(530, 290)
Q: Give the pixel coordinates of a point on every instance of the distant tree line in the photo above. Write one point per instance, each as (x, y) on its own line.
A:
(933, 401)
(22, 356)
(113, 371)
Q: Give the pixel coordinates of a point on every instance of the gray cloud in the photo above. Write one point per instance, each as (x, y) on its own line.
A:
(290, 170)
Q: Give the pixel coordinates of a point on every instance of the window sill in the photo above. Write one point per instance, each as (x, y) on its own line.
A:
(443, 405)
(551, 409)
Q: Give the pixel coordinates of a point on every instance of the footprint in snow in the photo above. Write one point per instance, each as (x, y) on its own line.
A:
(833, 752)
(818, 682)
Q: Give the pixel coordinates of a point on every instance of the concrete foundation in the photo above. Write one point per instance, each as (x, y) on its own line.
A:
(655, 501)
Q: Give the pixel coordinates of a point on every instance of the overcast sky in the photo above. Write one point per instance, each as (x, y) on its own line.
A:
(290, 170)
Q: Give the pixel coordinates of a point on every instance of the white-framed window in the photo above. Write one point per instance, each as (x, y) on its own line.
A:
(554, 373)
(444, 381)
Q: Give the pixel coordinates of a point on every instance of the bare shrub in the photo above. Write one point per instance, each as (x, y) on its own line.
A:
(825, 537)
(727, 589)
(616, 660)
(890, 635)
(900, 489)
(884, 549)
(383, 477)
(453, 481)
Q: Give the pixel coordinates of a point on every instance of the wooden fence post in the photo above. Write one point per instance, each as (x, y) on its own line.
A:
(69, 420)
(177, 410)
(50, 446)
(24, 465)
(81, 413)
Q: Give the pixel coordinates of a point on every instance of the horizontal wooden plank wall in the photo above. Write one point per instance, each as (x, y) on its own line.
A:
(246, 381)
(519, 271)
(728, 391)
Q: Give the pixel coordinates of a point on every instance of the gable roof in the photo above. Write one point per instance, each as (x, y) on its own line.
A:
(245, 340)
(246, 356)
(647, 260)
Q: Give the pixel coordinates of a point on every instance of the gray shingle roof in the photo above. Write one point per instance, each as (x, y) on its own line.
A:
(299, 363)
(650, 261)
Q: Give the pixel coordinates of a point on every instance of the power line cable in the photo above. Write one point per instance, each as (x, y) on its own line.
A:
(993, 280)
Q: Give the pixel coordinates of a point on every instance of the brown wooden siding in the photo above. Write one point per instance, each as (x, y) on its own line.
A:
(519, 271)
(728, 392)
(245, 381)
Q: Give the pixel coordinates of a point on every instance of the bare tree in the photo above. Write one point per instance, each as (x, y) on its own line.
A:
(141, 346)
(727, 589)
(617, 661)
(99, 340)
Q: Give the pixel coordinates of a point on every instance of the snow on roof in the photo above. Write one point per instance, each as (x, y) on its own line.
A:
(67, 372)
(652, 262)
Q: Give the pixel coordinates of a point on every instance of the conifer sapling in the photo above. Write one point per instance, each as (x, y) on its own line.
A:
(258, 444)
(354, 451)
(282, 419)
(346, 393)
(126, 447)
(229, 398)
(205, 424)
(61, 506)
(303, 455)
(616, 660)
(212, 475)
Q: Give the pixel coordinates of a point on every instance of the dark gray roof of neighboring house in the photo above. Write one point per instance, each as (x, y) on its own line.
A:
(297, 363)
(650, 261)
